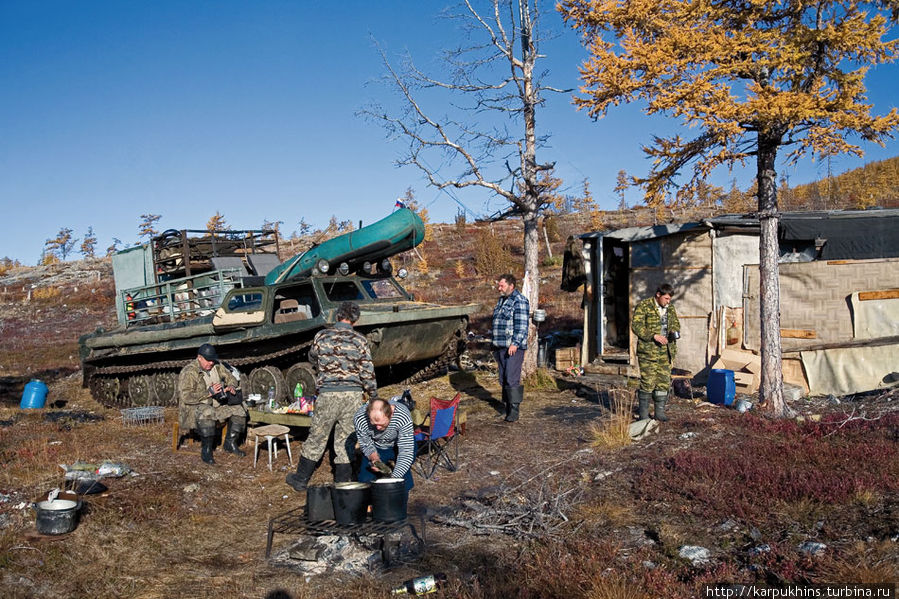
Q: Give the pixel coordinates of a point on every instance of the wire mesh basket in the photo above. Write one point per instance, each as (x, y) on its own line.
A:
(143, 415)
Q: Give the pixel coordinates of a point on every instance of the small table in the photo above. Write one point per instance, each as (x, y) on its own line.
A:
(270, 432)
(285, 419)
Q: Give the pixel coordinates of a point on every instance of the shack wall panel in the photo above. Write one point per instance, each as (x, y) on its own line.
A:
(815, 296)
(693, 250)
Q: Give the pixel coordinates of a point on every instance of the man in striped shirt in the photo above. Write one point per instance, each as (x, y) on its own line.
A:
(385, 432)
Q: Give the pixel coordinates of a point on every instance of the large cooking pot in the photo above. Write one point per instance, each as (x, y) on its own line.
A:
(58, 516)
(388, 499)
(351, 502)
(319, 503)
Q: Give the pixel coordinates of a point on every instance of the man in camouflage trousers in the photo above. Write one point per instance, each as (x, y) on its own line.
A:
(208, 392)
(657, 328)
(342, 359)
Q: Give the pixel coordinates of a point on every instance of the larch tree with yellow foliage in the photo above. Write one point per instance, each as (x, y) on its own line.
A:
(750, 77)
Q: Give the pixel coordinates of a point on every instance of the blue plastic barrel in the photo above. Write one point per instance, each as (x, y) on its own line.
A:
(721, 388)
(34, 395)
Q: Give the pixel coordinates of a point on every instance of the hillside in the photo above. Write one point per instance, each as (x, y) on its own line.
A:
(46, 308)
(559, 505)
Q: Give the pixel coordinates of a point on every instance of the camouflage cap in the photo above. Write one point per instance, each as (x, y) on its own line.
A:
(208, 352)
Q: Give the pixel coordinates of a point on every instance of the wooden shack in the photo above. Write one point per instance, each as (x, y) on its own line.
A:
(839, 279)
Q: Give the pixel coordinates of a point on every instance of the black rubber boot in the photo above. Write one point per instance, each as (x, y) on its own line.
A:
(343, 473)
(516, 395)
(643, 398)
(206, 430)
(300, 479)
(506, 406)
(660, 398)
(236, 427)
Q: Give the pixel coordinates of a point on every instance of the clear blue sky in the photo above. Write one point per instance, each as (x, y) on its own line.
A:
(113, 109)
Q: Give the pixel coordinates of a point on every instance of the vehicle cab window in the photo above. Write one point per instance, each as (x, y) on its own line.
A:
(245, 302)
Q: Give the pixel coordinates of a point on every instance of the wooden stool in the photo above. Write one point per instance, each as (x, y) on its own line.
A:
(270, 432)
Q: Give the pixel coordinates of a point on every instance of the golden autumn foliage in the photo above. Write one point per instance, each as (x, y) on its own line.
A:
(747, 76)
(216, 222)
(875, 184)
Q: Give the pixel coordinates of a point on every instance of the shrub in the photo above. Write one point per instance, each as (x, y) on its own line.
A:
(45, 293)
(783, 467)
(491, 257)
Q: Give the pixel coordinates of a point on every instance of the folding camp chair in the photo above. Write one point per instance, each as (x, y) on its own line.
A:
(437, 443)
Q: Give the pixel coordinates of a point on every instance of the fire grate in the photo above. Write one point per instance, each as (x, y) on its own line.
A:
(143, 415)
(294, 522)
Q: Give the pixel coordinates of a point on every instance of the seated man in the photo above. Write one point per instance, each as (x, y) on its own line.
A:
(385, 432)
(209, 393)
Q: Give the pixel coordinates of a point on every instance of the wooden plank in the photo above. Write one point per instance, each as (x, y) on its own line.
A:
(878, 295)
(798, 334)
(285, 419)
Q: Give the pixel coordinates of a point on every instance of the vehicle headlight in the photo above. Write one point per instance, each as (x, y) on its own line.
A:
(323, 266)
(402, 273)
(386, 266)
(344, 268)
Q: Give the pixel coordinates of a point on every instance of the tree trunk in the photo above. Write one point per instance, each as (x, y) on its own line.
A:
(531, 287)
(529, 173)
(771, 390)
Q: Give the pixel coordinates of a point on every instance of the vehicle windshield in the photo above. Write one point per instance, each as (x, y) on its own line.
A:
(382, 289)
(342, 291)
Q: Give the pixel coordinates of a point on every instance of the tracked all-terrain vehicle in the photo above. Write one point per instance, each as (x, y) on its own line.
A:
(229, 288)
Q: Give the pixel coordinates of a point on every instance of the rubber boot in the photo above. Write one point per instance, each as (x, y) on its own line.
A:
(300, 479)
(343, 473)
(506, 406)
(643, 398)
(236, 427)
(516, 395)
(206, 430)
(660, 398)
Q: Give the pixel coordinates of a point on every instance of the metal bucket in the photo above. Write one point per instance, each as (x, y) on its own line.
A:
(319, 503)
(56, 517)
(351, 502)
(389, 499)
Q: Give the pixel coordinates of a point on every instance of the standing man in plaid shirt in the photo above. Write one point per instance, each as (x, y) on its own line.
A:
(510, 340)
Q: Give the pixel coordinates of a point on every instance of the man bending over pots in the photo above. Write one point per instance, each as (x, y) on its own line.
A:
(385, 434)
(209, 392)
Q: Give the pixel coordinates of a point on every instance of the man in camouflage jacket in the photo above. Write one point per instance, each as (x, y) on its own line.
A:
(342, 359)
(198, 382)
(657, 327)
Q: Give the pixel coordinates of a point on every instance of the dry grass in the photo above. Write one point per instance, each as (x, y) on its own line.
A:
(614, 430)
(541, 380)
(610, 513)
(865, 563)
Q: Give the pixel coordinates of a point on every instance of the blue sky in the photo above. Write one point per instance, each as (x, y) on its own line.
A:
(110, 110)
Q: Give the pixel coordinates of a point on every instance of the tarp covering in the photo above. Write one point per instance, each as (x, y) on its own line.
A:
(846, 370)
(873, 318)
(858, 238)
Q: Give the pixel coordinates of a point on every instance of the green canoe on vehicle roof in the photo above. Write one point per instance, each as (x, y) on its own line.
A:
(401, 231)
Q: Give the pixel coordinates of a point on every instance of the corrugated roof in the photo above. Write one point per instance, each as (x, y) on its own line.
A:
(632, 234)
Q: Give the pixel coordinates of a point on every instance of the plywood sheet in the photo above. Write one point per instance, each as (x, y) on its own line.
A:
(689, 250)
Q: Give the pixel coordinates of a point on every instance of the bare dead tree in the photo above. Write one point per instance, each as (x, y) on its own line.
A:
(488, 138)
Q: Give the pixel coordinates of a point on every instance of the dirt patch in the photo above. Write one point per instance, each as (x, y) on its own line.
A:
(179, 528)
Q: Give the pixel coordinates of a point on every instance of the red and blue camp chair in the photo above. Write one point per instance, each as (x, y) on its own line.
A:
(437, 443)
